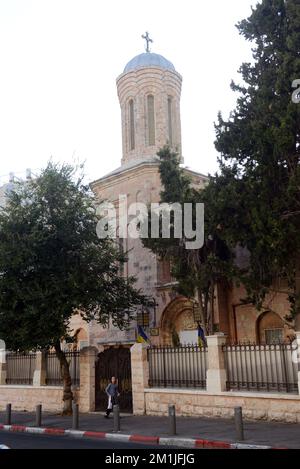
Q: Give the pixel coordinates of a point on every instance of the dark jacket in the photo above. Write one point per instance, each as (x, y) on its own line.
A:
(112, 390)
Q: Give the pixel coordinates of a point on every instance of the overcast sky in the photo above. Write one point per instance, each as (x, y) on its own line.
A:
(59, 60)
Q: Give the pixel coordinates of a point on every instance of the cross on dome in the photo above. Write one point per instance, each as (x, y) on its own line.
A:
(148, 40)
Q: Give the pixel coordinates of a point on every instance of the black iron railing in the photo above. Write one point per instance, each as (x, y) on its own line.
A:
(20, 368)
(183, 367)
(268, 368)
(53, 373)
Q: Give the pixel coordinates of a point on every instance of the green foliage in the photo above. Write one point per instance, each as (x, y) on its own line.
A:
(197, 271)
(53, 265)
(256, 194)
(253, 202)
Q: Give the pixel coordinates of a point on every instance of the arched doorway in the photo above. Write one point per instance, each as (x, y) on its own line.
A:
(177, 321)
(114, 361)
(269, 328)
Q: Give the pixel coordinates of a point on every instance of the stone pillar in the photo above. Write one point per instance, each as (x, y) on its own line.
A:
(87, 379)
(216, 372)
(2, 366)
(297, 357)
(39, 376)
(140, 377)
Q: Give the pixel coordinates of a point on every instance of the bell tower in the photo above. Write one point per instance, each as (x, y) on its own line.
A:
(149, 91)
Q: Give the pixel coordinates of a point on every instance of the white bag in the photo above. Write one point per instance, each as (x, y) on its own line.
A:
(110, 406)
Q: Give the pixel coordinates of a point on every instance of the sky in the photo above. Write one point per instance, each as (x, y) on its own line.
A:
(59, 60)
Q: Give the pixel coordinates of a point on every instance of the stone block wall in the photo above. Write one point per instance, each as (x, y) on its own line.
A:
(28, 397)
(271, 407)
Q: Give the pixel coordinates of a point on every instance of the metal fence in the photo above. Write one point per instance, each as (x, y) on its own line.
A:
(20, 368)
(53, 373)
(183, 367)
(268, 368)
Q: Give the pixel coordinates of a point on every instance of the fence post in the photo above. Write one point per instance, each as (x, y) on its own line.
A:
(3, 369)
(140, 377)
(172, 420)
(216, 372)
(75, 416)
(297, 354)
(87, 379)
(39, 376)
(116, 411)
(8, 414)
(38, 415)
(239, 426)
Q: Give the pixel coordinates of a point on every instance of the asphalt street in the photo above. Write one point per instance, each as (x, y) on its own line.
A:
(33, 441)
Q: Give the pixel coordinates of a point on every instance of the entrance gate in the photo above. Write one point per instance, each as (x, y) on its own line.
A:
(114, 362)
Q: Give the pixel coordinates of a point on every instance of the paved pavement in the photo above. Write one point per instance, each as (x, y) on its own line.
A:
(260, 433)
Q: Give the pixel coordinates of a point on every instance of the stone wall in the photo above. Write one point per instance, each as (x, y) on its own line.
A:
(137, 85)
(27, 397)
(272, 407)
(243, 317)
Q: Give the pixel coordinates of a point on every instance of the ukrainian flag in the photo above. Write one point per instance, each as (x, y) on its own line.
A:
(201, 337)
(141, 336)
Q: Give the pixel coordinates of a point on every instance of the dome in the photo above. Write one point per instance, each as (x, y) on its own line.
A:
(148, 59)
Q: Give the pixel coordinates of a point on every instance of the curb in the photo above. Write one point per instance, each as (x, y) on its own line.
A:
(152, 440)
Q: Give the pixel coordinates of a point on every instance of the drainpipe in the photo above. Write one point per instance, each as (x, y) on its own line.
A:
(234, 307)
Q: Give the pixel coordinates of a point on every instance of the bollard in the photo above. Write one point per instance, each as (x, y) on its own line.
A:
(38, 415)
(116, 410)
(239, 426)
(172, 420)
(75, 418)
(8, 414)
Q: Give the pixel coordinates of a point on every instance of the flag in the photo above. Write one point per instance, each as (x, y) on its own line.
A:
(201, 337)
(141, 336)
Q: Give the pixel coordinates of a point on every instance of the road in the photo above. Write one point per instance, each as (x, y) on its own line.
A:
(34, 441)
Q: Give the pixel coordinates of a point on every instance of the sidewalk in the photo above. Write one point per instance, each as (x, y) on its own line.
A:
(256, 433)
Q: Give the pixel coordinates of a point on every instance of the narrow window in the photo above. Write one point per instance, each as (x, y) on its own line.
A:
(121, 251)
(151, 120)
(131, 125)
(170, 105)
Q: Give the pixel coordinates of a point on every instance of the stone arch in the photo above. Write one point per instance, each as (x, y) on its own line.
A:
(269, 324)
(179, 315)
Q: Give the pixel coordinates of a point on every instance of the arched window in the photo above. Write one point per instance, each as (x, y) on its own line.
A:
(270, 328)
(131, 125)
(170, 129)
(151, 119)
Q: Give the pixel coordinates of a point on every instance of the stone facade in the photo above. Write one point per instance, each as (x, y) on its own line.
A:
(138, 179)
(136, 85)
(244, 319)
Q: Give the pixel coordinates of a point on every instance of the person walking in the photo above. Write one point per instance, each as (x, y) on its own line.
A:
(112, 394)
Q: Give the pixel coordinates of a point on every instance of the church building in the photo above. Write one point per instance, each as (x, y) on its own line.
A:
(149, 91)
